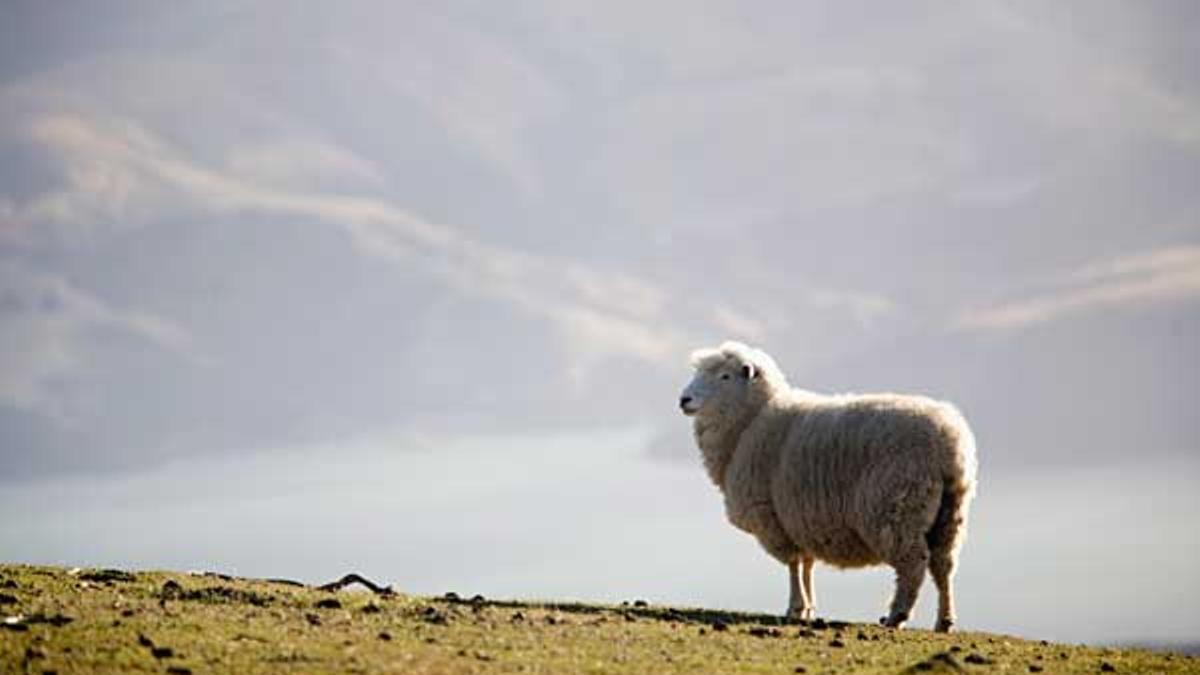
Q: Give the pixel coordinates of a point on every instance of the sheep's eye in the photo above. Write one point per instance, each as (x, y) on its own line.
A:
(724, 376)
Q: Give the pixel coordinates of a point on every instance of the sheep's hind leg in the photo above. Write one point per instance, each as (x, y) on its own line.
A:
(910, 567)
(941, 567)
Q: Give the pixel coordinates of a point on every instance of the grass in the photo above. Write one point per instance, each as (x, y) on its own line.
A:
(85, 621)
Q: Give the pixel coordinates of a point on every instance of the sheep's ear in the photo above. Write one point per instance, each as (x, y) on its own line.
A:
(749, 371)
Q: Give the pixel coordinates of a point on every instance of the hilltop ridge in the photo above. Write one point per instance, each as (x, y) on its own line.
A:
(80, 621)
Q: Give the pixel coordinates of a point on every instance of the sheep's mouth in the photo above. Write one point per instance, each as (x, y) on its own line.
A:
(688, 411)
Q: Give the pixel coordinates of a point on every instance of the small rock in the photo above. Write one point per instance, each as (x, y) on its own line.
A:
(702, 631)
(483, 656)
(861, 636)
(33, 652)
(819, 624)
(371, 608)
(107, 575)
(478, 599)
(8, 583)
(805, 633)
(629, 616)
(924, 665)
(56, 620)
(1106, 667)
(329, 603)
(836, 643)
(517, 617)
(1035, 668)
(955, 648)
(385, 636)
(720, 625)
(162, 652)
(764, 632)
(977, 659)
(6, 599)
(179, 670)
(640, 603)
(432, 615)
(170, 590)
(800, 669)
(451, 596)
(313, 619)
(127, 613)
(145, 641)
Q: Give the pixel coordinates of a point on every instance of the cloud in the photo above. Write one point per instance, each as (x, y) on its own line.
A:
(607, 313)
(1161, 275)
(484, 94)
(46, 328)
(299, 162)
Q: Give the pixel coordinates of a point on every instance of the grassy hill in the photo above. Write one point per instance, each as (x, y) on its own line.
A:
(83, 621)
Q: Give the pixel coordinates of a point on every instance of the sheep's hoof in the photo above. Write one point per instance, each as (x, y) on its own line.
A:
(894, 620)
(801, 614)
(944, 625)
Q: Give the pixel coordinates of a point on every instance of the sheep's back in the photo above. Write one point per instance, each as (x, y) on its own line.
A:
(842, 455)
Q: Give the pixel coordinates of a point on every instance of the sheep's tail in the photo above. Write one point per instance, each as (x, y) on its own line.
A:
(949, 528)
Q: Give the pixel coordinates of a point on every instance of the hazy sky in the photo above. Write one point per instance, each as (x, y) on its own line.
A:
(409, 288)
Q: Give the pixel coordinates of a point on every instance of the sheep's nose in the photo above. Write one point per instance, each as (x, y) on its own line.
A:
(684, 400)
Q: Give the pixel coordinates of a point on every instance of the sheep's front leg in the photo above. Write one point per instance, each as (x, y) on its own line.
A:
(810, 591)
(780, 547)
(799, 604)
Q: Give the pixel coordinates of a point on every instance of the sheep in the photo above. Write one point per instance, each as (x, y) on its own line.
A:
(850, 480)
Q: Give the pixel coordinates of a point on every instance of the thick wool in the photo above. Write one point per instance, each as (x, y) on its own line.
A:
(851, 480)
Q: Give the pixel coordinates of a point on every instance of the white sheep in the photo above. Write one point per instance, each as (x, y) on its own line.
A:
(850, 480)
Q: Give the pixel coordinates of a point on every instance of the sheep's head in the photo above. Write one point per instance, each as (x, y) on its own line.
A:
(730, 380)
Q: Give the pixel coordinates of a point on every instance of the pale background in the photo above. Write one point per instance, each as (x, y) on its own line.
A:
(291, 289)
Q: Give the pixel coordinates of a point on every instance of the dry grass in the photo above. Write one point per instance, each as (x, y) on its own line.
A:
(163, 622)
